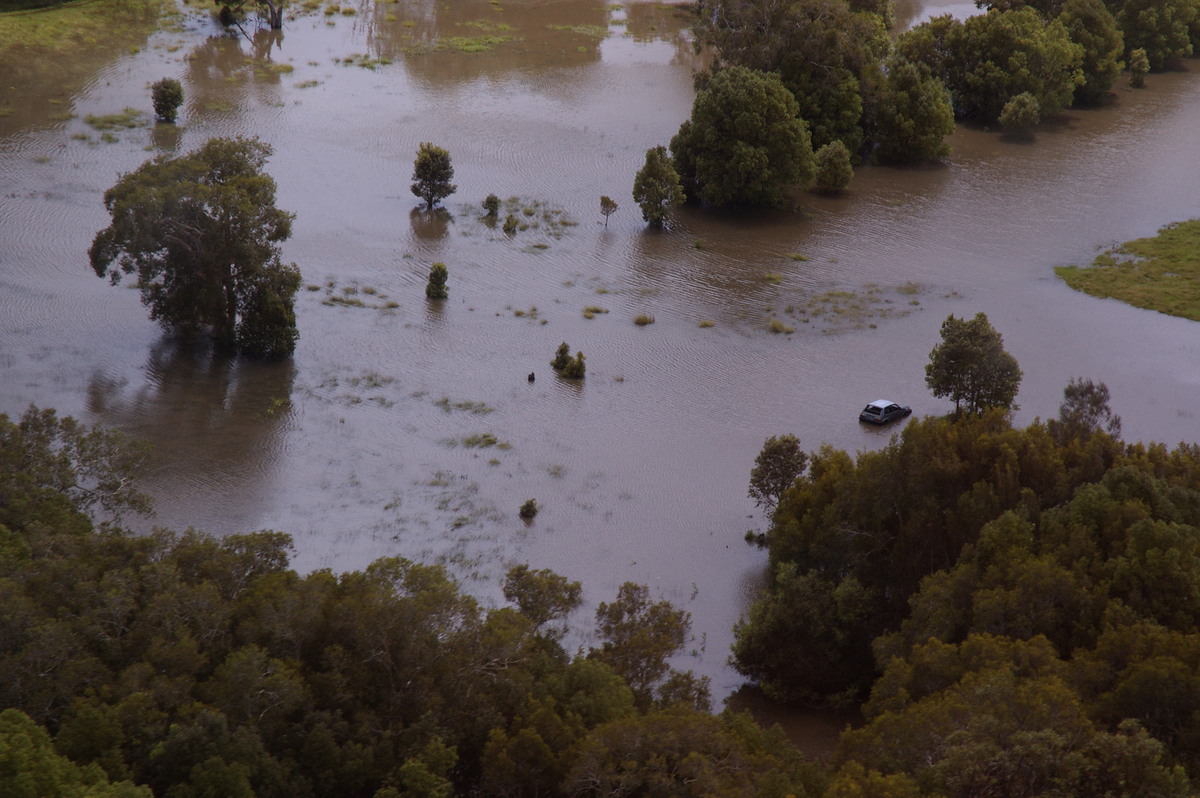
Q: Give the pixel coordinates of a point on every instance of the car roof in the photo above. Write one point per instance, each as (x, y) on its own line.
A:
(880, 403)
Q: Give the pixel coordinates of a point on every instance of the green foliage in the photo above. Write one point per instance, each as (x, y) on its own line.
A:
(686, 754)
(1139, 67)
(31, 768)
(1021, 115)
(780, 462)
(491, 205)
(55, 471)
(432, 173)
(510, 224)
(1163, 29)
(808, 638)
(562, 356)
(656, 188)
(435, 288)
(542, 596)
(1159, 273)
(167, 95)
(826, 52)
(914, 116)
(567, 366)
(988, 59)
(639, 635)
(743, 143)
(529, 509)
(607, 207)
(833, 170)
(971, 367)
(201, 233)
(1084, 411)
(1092, 26)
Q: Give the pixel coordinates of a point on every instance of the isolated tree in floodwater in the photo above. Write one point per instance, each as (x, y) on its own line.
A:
(201, 233)
(971, 367)
(432, 173)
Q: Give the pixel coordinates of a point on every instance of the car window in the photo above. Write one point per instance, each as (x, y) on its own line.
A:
(893, 408)
(872, 409)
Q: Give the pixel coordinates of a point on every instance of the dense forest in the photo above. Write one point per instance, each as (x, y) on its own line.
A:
(1015, 609)
(191, 666)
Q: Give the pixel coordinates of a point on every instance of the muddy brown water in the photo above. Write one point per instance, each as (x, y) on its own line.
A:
(358, 447)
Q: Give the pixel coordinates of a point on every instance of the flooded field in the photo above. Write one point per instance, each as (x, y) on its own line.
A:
(405, 428)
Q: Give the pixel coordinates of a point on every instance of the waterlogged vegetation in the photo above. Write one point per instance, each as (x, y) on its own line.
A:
(46, 55)
(984, 592)
(1158, 273)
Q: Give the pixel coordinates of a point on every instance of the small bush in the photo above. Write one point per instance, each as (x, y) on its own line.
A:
(833, 168)
(167, 95)
(529, 509)
(436, 287)
(642, 319)
(561, 357)
(1139, 65)
(776, 326)
(510, 224)
(1021, 115)
(492, 205)
(575, 367)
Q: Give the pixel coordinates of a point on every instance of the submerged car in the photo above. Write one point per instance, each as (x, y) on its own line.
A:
(881, 411)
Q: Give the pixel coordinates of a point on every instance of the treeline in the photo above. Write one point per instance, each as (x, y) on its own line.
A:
(184, 666)
(1018, 607)
(857, 94)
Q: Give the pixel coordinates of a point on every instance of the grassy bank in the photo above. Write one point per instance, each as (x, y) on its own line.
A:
(46, 55)
(1160, 273)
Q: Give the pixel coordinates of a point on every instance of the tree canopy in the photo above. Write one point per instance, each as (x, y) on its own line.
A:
(202, 234)
(432, 173)
(990, 58)
(743, 143)
(827, 53)
(971, 367)
(196, 666)
(656, 188)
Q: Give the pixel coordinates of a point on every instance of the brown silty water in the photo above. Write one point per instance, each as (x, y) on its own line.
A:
(361, 447)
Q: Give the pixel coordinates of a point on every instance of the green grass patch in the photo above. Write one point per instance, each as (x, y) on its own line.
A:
(129, 118)
(1159, 273)
(593, 31)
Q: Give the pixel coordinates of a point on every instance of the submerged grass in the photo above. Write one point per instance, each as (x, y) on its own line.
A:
(1160, 273)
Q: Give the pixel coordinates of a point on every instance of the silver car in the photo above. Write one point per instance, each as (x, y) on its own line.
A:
(881, 411)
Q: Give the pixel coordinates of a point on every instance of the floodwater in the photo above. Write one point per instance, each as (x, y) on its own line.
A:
(359, 447)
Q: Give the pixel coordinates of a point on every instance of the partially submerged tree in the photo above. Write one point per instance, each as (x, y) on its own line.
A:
(491, 205)
(913, 117)
(971, 367)
(833, 168)
(777, 466)
(744, 144)
(656, 188)
(1139, 67)
(436, 287)
(167, 95)
(432, 173)
(608, 207)
(201, 233)
(1092, 26)
(1020, 116)
(1085, 410)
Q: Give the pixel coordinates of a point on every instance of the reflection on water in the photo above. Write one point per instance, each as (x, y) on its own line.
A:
(214, 422)
(369, 443)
